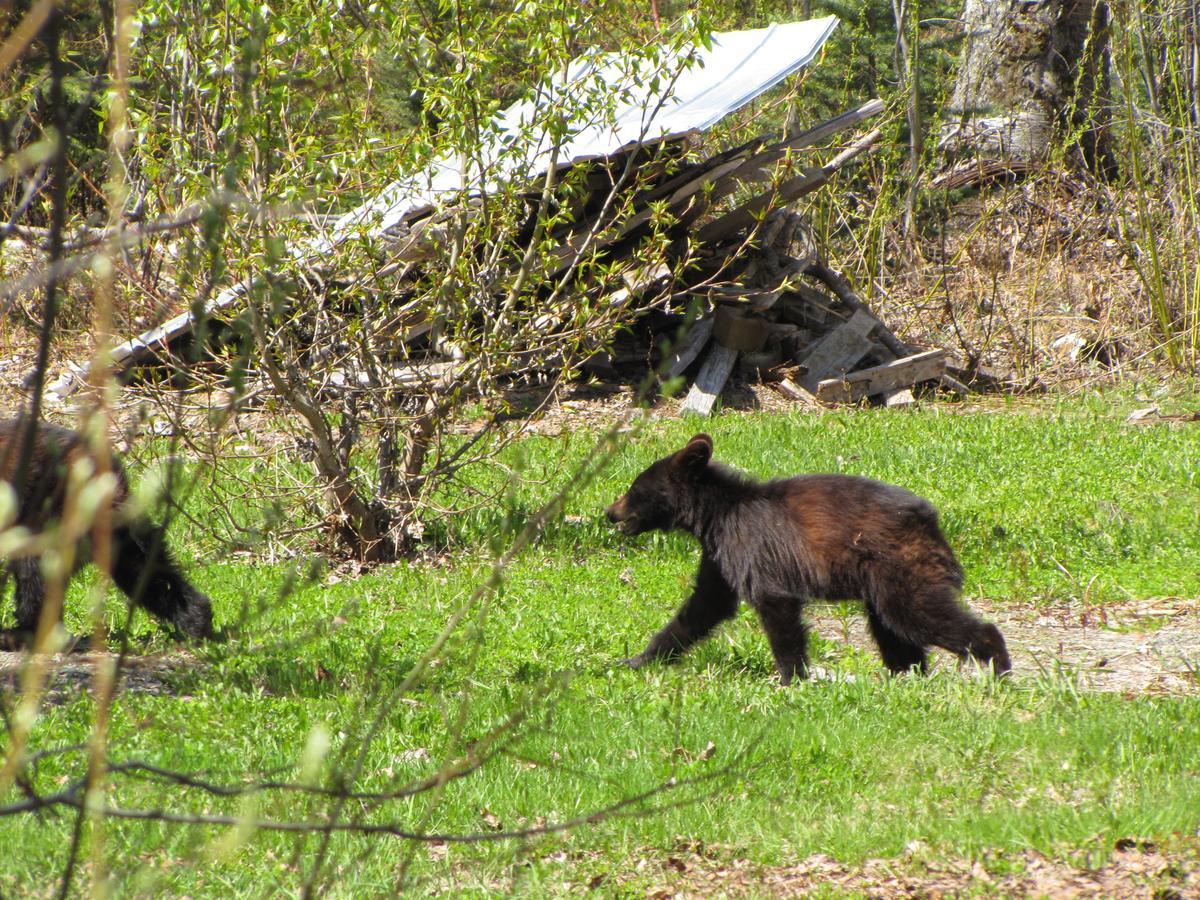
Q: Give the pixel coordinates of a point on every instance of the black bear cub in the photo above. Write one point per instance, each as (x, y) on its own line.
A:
(142, 566)
(776, 544)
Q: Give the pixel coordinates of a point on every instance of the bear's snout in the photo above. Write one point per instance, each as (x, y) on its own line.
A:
(616, 512)
(621, 516)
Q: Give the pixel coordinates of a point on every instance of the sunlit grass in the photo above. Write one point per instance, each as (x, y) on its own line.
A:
(859, 766)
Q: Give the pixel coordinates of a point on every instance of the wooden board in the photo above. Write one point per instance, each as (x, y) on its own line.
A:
(899, 397)
(901, 373)
(688, 348)
(839, 350)
(793, 391)
(711, 378)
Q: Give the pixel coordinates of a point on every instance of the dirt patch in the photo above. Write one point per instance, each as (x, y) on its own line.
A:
(1135, 869)
(70, 673)
(1150, 646)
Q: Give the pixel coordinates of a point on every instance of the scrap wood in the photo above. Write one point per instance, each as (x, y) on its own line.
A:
(734, 329)
(752, 213)
(892, 376)
(809, 180)
(898, 397)
(710, 380)
(761, 151)
(788, 388)
(694, 197)
(693, 341)
(837, 283)
(838, 350)
(977, 374)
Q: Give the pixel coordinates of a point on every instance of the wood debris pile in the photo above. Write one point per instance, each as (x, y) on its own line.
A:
(766, 295)
(809, 336)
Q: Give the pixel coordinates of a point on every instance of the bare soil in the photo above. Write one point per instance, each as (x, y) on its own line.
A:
(1134, 647)
(69, 673)
(1134, 869)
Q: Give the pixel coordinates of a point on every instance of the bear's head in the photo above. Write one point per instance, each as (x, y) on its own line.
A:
(655, 498)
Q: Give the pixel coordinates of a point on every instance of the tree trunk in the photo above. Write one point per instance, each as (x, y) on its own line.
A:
(1032, 74)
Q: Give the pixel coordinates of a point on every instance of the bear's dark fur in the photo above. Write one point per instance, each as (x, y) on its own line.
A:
(776, 544)
(142, 566)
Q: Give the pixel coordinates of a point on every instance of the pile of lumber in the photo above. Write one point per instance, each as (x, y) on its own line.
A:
(816, 345)
(765, 293)
(767, 296)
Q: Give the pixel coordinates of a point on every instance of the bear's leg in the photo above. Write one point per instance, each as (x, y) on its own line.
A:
(899, 655)
(29, 593)
(787, 635)
(711, 603)
(933, 615)
(144, 570)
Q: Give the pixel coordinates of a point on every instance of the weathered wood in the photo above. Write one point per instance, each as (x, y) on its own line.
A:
(841, 288)
(953, 385)
(838, 350)
(691, 199)
(737, 331)
(688, 348)
(793, 391)
(709, 381)
(749, 214)
(901, 373)
(978, 376)
(760, 150)
(895, 397)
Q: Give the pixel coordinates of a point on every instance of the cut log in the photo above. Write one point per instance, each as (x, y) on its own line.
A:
(902, 373)
(709, 381)
(737, 331)
(839, 350)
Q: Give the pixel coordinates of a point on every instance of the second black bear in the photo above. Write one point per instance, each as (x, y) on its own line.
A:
(779, 543)
(142, 566)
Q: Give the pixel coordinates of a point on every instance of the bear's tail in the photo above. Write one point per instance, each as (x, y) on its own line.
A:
(144, 569)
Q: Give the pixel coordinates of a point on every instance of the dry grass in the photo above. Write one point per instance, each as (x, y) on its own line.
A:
(1033, 279)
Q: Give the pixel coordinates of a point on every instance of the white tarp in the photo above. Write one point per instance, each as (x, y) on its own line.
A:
(739, 66)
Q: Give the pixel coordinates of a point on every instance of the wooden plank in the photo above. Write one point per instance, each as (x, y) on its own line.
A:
(901, 373)
(894, 398)
(749, 214)
(687, 348)
(793, 391)
(756, 149)
(838, 350)
(953, 385)
(709, 381)
(689, 201)
(836, 282)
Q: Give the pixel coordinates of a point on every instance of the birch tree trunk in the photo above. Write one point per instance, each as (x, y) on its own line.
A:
(1032, 74)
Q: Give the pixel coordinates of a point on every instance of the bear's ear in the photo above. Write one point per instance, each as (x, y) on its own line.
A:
(697, 453)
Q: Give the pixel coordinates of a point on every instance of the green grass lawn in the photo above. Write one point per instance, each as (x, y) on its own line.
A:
(1049, 503)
